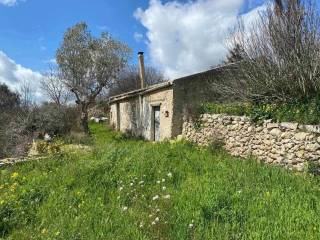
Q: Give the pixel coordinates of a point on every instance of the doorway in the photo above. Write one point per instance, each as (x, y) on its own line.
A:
(156, 123)
(118, 116)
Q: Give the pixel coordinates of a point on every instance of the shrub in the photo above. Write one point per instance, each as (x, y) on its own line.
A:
(54, 120)
(307, 112)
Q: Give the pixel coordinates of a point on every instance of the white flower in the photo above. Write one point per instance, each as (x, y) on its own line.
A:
(150, 215)
(157, 219)
(141, 225)
(166, 196)
(121, 188)
(191, 225)
(164, 188)
(131, 184)
(158, 210)
(158, 182)
(141, 182)
(156, 197)
(124, 209)
(153, 223)
(169, 175)
(163, 180)
(240, 191)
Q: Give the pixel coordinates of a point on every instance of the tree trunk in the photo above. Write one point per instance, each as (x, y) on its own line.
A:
(84, 119)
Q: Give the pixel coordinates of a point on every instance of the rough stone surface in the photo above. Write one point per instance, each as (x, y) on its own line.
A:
(284, 144)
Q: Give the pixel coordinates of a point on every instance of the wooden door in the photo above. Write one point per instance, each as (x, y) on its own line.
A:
(156, 123)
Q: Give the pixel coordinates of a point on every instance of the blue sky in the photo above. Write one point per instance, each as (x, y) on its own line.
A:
(31, 31)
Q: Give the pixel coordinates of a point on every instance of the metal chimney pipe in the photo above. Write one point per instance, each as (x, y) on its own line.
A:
(141, 69)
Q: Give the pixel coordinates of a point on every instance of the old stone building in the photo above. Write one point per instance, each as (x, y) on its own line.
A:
(157, 112)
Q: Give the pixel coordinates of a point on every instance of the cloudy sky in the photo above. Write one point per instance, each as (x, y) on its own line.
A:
(179, 37)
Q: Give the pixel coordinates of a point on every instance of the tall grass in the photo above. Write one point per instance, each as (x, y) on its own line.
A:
(127, 189)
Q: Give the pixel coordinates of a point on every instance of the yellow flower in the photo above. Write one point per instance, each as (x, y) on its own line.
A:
(15, 175)
(13, 187)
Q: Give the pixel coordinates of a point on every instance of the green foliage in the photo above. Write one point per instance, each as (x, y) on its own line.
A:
(109, 192)
(314, 168)
(307, 112)
(230, 108)
(77, 138)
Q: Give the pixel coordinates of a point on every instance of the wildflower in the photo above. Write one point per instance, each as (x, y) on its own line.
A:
(166, 196)
(158, 182)
(150, 215)
(141, 182)
(141, 225)
(164, 188)
(240, 191)
(153, 223)
(155, 197)
(121, 188)
(158, 210)
(14, 175)
(131, 184)
(169, 175)
(157, 219)
(124, 209)
(44, 231)
(163, 180)
(57, 233)
(191, 225)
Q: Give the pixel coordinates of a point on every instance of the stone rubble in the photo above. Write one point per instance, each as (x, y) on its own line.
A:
(286, 144)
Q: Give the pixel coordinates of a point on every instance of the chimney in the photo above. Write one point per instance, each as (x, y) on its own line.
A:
(141, 69)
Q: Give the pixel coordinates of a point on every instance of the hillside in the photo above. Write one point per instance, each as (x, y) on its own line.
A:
(130, 189)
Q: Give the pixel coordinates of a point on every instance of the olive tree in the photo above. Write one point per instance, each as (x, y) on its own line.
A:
(89, 64)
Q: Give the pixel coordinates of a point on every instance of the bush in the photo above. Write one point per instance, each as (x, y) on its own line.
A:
(307, 112)
(55, 120)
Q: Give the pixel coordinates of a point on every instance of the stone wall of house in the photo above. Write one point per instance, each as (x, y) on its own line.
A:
(135, 114)
(287, 144)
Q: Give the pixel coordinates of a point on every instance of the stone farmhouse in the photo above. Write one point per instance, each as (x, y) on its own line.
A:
(157, 112)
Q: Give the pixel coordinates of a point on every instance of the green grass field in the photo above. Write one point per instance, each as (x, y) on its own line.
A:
(129, 189)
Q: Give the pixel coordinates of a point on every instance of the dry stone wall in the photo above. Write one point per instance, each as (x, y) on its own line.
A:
(287, 144)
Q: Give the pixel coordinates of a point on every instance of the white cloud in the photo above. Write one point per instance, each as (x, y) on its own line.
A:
(138, 37)
(186, 38)
(10, 2)
(14, 75)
